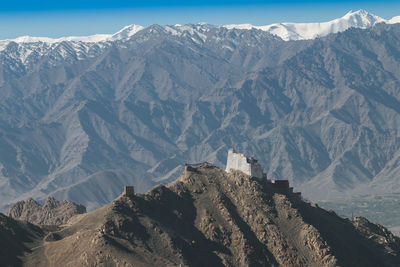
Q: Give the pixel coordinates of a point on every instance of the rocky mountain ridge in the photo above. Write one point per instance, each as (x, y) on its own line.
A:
(27, 49)
(305, 31)
(52, 212)
(214, 218)
(286, 31)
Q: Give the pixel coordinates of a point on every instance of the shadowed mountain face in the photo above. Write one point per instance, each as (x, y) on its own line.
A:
(208, 217)
(16, 239)
(80, 120)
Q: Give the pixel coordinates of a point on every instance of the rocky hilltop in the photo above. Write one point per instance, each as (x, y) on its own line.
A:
(209, 217)
(52, 212)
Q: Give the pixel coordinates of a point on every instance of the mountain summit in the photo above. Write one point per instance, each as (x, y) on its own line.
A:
(207, 217)
(304, 31)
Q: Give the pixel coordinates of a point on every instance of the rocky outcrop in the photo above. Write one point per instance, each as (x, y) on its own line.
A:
(209, 217)
(52, 212)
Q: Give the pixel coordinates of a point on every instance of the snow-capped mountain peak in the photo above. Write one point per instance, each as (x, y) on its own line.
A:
(29, 47)
(360, 19)
(80, 44)
(86, 39)
(303, 31)
(126, 32)
(394, 20)
(286, 30)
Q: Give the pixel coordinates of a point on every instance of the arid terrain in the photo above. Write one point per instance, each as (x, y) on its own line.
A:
(207, 217)
(52, 212)
(79, 120)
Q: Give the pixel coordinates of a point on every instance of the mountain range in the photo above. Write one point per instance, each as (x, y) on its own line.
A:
(81, 117)
(286, 30)
(305, 31)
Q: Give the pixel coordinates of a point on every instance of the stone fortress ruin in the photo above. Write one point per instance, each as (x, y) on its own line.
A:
(234, 162)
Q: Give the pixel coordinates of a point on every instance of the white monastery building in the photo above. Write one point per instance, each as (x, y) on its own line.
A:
(248, 165)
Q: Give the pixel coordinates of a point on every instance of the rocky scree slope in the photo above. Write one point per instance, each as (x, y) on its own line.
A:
(322, 113)
(52, 212)
(208, 217)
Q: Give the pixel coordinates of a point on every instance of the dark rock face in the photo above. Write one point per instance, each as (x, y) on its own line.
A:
(16, 240)
(211, 218)
(322, 113)
(52, 212)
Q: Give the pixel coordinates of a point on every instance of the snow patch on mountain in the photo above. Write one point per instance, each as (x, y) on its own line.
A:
(27, 49)
(123, 34)
(305, 31)
(86, 39)
(287, 30)
(394, 20)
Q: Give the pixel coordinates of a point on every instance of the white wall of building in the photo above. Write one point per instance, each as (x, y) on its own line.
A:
(238, 161)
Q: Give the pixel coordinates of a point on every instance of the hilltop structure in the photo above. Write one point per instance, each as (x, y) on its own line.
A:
(129, 191)
(248, 165)
(207, 217)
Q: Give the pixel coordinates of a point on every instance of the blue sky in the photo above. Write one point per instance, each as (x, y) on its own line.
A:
(85, 17)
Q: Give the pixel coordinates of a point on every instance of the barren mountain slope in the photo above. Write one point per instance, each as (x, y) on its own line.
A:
(210, 218)
(322, 113)
(68, 123)
(17, 238)
(52, 212)
(333, 111)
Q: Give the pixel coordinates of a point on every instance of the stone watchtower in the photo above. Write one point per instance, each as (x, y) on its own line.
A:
(129, 191)
(248, 165)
